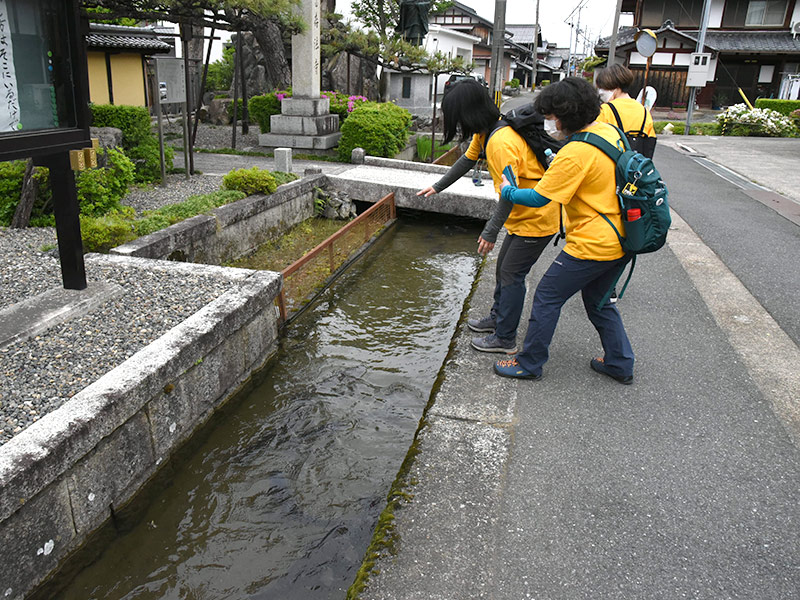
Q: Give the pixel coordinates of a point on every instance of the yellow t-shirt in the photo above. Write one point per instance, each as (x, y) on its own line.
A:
(583, 179)
(505, 148)
(631, 114)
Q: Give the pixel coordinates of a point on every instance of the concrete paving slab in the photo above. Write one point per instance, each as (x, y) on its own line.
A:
(27, 318)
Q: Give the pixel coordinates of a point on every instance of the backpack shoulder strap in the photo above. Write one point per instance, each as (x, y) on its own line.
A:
(499, 124)
(598, 142)
(616, 115)
(644, 121)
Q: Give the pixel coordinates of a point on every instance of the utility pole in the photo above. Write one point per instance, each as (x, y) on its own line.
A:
(498, 43)
(536, 46)
(612, 47)
(701, 42)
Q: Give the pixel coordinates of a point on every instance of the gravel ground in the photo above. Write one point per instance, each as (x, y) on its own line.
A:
(38, 375)
(211, 136)
(176, 189)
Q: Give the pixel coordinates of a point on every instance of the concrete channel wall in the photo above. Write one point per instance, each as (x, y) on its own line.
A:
(232, 230)
(63, 477)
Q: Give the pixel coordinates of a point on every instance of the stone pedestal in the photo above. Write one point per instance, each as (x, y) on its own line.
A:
(305, 120)
(303, 123)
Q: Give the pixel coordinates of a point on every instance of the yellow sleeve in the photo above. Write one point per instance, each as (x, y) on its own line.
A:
(649, 130)
(475, 147)
(505, 149)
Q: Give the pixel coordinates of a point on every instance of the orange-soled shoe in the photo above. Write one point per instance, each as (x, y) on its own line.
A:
(511, 368)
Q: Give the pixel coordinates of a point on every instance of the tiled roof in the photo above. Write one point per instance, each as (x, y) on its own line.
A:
(746, 42)
(751, 42)
(523, 34)
(102, 35)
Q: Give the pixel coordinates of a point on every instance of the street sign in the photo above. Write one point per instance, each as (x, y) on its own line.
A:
(699, 67)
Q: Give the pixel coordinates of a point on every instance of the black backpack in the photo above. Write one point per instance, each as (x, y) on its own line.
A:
(639, 141)
(529, 124)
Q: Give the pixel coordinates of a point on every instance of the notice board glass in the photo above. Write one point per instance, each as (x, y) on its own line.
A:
(36, 79)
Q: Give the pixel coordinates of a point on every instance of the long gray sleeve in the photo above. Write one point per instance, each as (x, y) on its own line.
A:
(460, 168)
(493, 225)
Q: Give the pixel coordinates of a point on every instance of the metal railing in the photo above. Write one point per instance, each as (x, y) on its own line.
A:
(309, 274)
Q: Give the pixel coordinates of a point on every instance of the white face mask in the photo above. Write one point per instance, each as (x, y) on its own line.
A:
(605, 95)
(552, 130)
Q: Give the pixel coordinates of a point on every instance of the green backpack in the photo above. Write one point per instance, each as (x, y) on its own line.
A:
(642, 198)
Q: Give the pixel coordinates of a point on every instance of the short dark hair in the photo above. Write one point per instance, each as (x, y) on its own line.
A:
(613, 77)
(574, 101)
(467, 105)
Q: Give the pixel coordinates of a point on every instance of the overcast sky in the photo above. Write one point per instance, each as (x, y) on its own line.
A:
(596, 17)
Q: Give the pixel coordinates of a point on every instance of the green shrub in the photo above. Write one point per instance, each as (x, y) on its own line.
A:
(250, 181)
(239, 110)
(174, 213)
(100, 190)
(380, 129)
(11, 174)
(762, 122)
(545, 82)
(785, 107)
(134, 121)
(281, 177)
(342, 104)
(147, 159)
(102, 233)
(261, 108)
(138, 140)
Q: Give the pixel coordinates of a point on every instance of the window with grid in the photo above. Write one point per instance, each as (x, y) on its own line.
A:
(765, 12)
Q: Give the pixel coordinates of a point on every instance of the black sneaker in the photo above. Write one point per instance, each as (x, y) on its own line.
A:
(484, 325)
(598, 365)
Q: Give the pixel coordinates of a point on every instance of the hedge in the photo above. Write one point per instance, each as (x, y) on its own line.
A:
(380, 129)
(785, 107)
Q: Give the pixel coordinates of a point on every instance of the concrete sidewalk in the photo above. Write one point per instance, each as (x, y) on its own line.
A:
(683, 485)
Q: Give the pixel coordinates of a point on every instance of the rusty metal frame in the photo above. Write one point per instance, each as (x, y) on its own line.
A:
(328, 244)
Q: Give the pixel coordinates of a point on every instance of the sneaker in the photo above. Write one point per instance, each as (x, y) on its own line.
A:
(492, 343)
(599, 365)
(511, 368)
(484, 325)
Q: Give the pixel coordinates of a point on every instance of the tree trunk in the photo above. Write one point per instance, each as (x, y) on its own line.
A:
(22, 215)
(270, 40)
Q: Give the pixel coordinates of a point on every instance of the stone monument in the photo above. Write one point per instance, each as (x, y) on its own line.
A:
(305, 120)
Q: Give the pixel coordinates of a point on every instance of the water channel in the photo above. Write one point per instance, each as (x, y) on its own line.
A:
(281, 498)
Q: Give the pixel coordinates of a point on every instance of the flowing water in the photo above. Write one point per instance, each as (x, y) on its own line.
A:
(281, 499)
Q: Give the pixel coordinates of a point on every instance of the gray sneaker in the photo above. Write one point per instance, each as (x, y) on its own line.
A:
(492, 343)
(484, 325)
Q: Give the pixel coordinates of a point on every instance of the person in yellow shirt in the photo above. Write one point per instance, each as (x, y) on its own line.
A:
(582, 180)
(467, 107)
(623, 111)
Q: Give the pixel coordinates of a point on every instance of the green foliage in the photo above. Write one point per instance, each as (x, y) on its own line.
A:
(250, 181)
(134, 121)
(380, 129)
(261, 108)
(281, 177)
(545, 82)
(220, 72)
(785, 107)
(104, 232)
(590, 63)
(514, 83)
(740, 120)
(96, 16)
(424, 148)
(138, 140)
(100, 190)
(11, 174)
(342, 104)
(239, 109)
(679, 127)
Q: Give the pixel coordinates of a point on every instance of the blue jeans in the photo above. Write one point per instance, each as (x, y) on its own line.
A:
(517, 255)
(565, 277)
